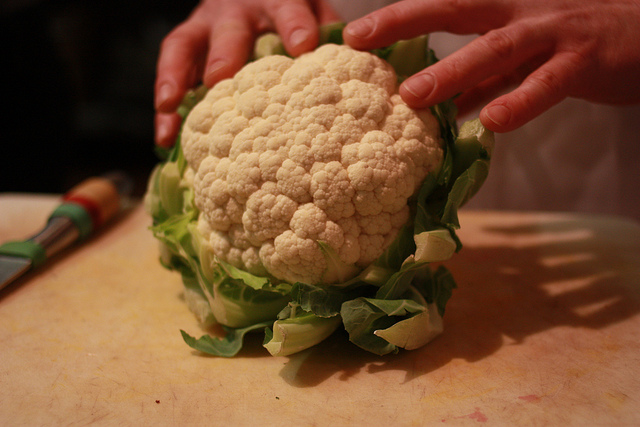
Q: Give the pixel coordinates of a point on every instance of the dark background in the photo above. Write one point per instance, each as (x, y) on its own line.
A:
(77, 89)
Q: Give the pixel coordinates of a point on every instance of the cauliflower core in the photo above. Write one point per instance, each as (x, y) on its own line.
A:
(294, 151)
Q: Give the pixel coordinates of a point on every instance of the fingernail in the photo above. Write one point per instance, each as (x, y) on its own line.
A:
(162, 134)
(163, 95)
(298, 37)
(499, 114)
(420, 86)
(361, 28)
(213, 70)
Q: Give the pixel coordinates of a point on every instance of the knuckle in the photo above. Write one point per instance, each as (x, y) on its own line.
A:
(499, 44)
(452, 5)
(454, 69)
(291, 7)
(546, 80)
(169, 41)
(396, 14)
(452, 8)
(580, 60)
(178, 36)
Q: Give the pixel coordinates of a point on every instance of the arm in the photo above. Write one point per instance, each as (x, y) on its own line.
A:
(216, 41)
(550, 49)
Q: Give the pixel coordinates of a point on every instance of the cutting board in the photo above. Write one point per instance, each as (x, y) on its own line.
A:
(544, 328)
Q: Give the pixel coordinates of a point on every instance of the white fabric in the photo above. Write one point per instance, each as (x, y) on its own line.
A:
(577, 156)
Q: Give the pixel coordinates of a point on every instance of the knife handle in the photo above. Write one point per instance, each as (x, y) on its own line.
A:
(89, 205)
(85, 207)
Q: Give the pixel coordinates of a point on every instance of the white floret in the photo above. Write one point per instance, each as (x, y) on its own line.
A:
(291, 152)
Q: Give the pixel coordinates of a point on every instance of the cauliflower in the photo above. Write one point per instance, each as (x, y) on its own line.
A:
(304, 195)
(292, 152)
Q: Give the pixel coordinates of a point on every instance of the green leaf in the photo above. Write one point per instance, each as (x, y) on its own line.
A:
(397, 307)
(434, 245)
(407, 57)
(256, 282)
(152, 201)
(171, 196)
(191, 99)
(337, 271)
(436, 286)
(471, 155)
(465, 168)
(363, 316)
(236, 304)
(401, 247)
(174, 233)
(375, 275)
(415, 331)
(162, 153)
(360, 320)
(465, 186)
(331, 33)
(473, 143)
(228, 346)
(400, 281)
(268, 44)
(432, 197)
(446, 112)
(323, 302)
(292, 335)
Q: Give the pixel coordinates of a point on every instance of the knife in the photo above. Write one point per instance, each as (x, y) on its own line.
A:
(84, 209)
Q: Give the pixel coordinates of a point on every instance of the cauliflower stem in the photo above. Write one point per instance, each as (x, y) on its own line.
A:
(316, 209)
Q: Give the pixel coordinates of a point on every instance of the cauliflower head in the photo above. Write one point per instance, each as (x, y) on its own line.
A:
(294, 156)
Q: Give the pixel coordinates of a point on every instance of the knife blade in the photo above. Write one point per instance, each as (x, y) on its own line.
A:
(84, 209)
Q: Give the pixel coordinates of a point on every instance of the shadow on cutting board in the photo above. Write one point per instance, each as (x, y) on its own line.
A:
(567, 275)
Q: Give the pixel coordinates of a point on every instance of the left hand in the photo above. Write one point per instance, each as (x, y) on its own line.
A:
(216, 41)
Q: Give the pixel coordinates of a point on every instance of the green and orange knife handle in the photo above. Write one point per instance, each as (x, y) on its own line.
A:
(84, 209)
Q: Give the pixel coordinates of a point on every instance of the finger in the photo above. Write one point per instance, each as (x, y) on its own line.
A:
(296, 23)
(542, 89)
(408, 19)
(230, 45)
(481, 94)
(179, 62)
(167, 126)
(493, 87)
(497, 52)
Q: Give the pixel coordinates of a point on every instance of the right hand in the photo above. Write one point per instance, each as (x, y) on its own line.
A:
(551, 50)
(217, 40)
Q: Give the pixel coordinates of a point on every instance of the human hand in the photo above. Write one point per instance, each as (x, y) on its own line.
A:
(552, 49)
(217, 40)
